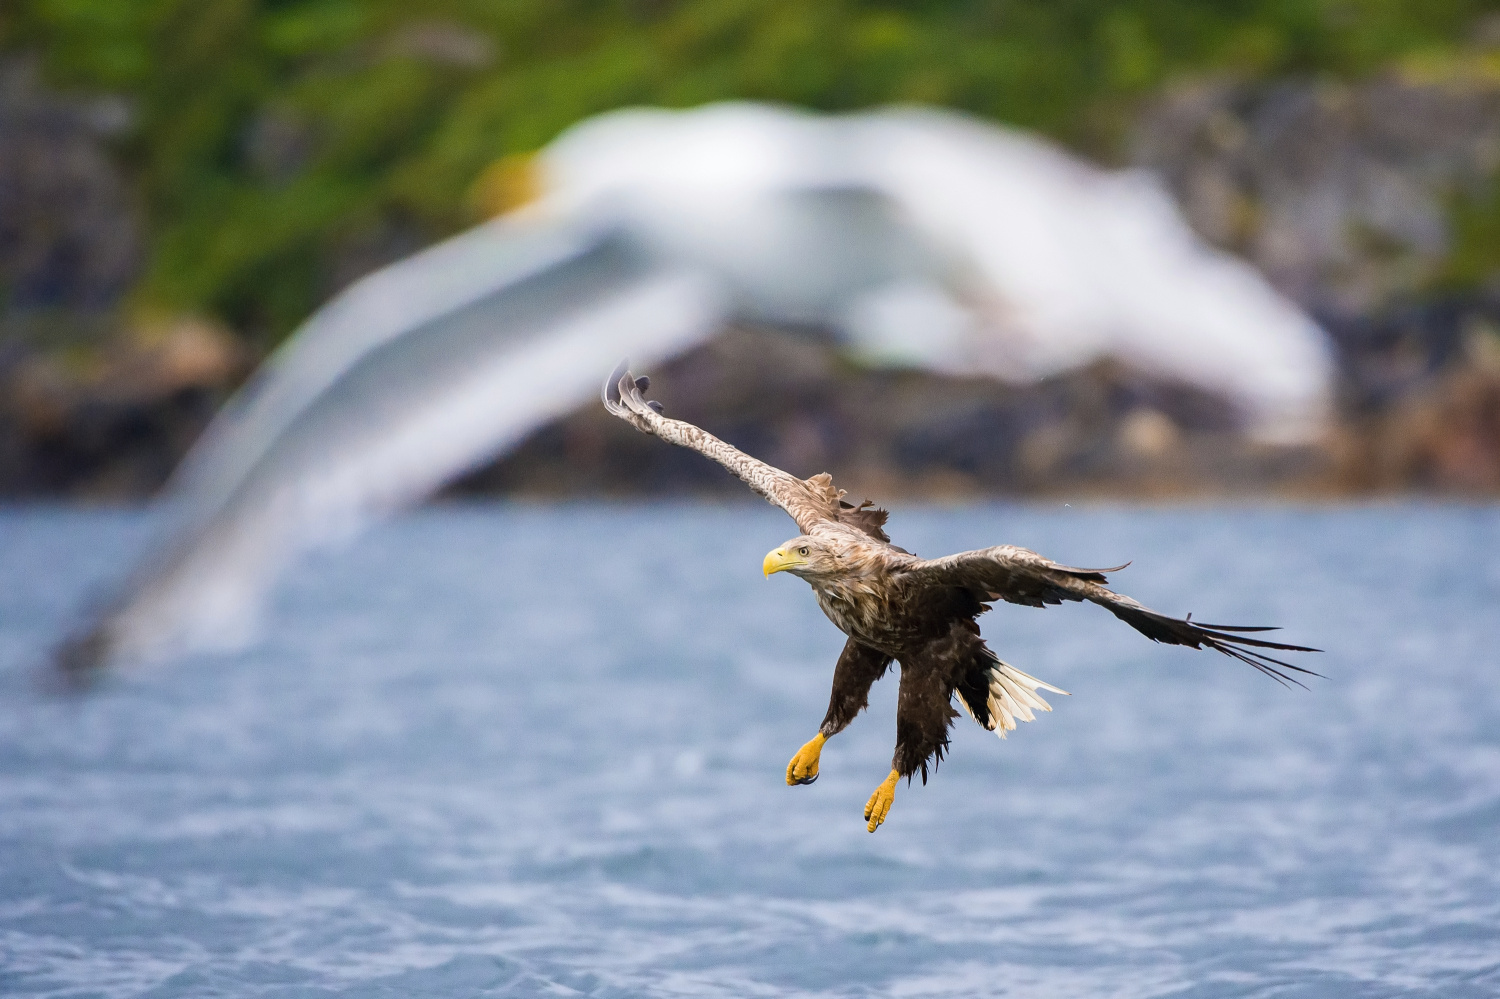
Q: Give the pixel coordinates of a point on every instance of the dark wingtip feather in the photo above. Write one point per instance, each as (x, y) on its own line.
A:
(1266, 664)
(81, 654)
(1185, 631)
(76, 664)
(1259, 643)
(1233, 627)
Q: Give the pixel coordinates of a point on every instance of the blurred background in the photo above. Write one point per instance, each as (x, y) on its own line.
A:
(181, 184)
(524, 748)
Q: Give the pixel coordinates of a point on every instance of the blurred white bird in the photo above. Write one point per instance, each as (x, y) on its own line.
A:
(921, 237)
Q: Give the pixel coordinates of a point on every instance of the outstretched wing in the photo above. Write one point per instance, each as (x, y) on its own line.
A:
(807, 501)
(413, 375)
(1019, 576)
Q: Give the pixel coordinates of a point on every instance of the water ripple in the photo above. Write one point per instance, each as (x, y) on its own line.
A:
(511, 751)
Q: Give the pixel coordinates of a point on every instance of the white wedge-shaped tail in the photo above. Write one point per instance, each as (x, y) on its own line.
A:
(1013, 694)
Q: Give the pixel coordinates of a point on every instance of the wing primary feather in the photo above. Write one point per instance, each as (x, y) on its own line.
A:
(611, 391)
(808, 502)
(1077, 571)
(1020, 576)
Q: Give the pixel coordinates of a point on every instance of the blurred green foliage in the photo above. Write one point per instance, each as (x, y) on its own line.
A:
(275, 137)
(1473, 260)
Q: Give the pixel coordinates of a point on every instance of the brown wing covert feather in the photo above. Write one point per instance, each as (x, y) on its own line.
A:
(866, 517)
(1016, 575)
(1020, 576)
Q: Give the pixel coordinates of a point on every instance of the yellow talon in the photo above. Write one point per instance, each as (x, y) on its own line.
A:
(880, 802)
(804, 766)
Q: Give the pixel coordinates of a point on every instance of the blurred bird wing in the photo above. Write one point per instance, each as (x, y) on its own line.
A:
(1064, 263)
(1020, 576)
(402, 299)
(807, 501)
(411, 377)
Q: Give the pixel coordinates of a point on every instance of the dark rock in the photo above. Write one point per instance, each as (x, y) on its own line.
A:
(797, 404)
(1340, 193)
(110, 423)
(70, 234)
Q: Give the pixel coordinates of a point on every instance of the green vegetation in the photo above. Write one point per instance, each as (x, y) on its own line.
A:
(1474, 259)
(274, 138)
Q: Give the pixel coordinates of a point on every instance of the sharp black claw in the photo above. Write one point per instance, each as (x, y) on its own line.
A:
(643, 382)
(652, 402)
(806, 780)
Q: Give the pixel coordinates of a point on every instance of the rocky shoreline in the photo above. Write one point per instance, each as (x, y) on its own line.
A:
(113, 428)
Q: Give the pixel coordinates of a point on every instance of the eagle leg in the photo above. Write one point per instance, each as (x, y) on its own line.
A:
(858, 668)
(923, 714)
(924, 709)
(804, 766)
(879, 805)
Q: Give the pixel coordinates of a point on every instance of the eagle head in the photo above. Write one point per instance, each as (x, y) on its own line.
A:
(803, 556)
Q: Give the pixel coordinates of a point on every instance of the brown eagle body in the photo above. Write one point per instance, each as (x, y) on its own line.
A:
(921, 613)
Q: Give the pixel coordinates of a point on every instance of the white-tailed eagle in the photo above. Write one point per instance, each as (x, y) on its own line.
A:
(921, 613)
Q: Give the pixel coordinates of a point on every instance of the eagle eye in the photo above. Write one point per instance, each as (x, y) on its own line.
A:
(802, 550)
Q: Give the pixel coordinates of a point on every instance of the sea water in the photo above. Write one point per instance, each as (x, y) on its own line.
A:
(519, 751)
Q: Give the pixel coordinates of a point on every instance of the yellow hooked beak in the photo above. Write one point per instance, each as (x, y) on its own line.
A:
(780, 559)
